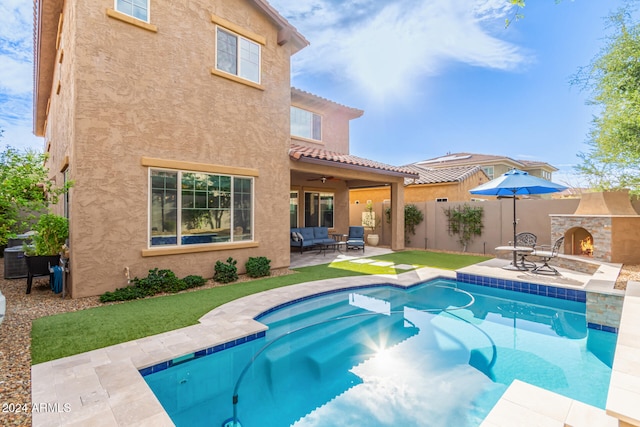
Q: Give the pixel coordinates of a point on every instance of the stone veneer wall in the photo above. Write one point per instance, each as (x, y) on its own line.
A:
(598, 226)
(604, 309)
(572, 263)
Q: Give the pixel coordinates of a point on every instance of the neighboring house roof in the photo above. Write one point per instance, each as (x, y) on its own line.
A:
(316, 102)
(440, 176)
(458, 159)
(347, 161)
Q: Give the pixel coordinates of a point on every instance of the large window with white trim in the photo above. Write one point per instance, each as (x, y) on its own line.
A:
(189, 208)
(139, 9)
(306, 124)
(318, 209)
(237, 55)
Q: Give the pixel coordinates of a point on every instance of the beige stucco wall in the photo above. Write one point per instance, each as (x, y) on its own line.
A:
(376, 195)
(127, 93)
(415, 193)
(533, 215)
(335, 131)
(625, 235)
(59, 130)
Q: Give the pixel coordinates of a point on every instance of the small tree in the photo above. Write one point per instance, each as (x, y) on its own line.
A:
(612, 79)
(25, 190)
(369, 219)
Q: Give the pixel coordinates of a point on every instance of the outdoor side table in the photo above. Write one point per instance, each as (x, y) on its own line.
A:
(515, 249)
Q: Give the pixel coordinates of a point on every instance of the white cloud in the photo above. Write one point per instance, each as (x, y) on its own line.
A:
(16, 74)
(16, 77)
(383, 47)
(20, 137)
(16, 43)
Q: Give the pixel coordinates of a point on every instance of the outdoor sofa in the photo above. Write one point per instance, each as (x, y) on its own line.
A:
(307, 237)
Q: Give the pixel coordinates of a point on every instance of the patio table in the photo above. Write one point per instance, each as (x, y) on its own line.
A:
(515, 249)
(335, 245)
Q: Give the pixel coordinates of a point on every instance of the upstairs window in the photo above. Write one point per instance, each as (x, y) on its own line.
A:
(306, 124)
(139, 9)
(237, 55)
(488, 170)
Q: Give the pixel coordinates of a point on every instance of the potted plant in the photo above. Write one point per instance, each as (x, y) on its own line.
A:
(370, 222)
(51, 233)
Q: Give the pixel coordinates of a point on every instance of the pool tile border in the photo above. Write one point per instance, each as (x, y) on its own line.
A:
(524, 287)
(577, 295)
(158, 367)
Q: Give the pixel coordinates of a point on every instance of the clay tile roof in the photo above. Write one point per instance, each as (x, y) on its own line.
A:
(443, 175)
(316, 155)
(299, 96)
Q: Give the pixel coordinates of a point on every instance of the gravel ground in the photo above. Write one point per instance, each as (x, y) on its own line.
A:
(15, 335)
(15, 340)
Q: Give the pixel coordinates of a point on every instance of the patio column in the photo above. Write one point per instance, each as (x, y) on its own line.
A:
(397, 215)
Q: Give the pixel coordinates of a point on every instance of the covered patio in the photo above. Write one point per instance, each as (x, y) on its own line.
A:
(320, 184)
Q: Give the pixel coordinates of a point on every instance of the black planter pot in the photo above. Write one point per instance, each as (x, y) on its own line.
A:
(38, 266)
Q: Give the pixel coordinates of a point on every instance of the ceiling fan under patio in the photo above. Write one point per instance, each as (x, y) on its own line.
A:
(324, 179)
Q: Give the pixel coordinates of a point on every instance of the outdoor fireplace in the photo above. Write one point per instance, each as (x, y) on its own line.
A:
(578, 242)
(605, 227)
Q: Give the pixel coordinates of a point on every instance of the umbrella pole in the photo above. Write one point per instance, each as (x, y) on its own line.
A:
(515, 256)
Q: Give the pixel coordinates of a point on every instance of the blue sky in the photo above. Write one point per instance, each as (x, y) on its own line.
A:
(433, 76)
(442, 76)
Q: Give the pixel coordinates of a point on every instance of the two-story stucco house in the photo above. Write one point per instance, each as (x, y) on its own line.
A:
(185, 141)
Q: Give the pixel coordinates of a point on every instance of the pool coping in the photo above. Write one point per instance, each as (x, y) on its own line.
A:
(104, 387)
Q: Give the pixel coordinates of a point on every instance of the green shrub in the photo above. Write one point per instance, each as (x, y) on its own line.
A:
(258, 266)
(226, 273)
(156, 282)
(194, 281)
(412, 217)
(123, 294)
(51, 234)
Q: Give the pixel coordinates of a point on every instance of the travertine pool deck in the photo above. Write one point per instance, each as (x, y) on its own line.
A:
(104, 388)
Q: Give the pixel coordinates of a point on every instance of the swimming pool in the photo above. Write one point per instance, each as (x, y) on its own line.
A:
(383, 355)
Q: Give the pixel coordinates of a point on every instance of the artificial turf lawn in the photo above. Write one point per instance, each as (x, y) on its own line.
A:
(66, 334)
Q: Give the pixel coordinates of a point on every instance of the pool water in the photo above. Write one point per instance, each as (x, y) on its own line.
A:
(383, 356)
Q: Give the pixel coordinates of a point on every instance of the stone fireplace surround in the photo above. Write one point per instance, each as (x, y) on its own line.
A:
(612, 222)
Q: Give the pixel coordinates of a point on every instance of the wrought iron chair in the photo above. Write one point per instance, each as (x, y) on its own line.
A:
(529, 240)
(547, 255)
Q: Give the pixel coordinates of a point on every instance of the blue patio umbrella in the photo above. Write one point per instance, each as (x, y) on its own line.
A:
(515, 183)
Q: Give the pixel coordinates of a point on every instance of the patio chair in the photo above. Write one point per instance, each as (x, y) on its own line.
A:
(547, 255)
(529, 240)
(355, 239)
